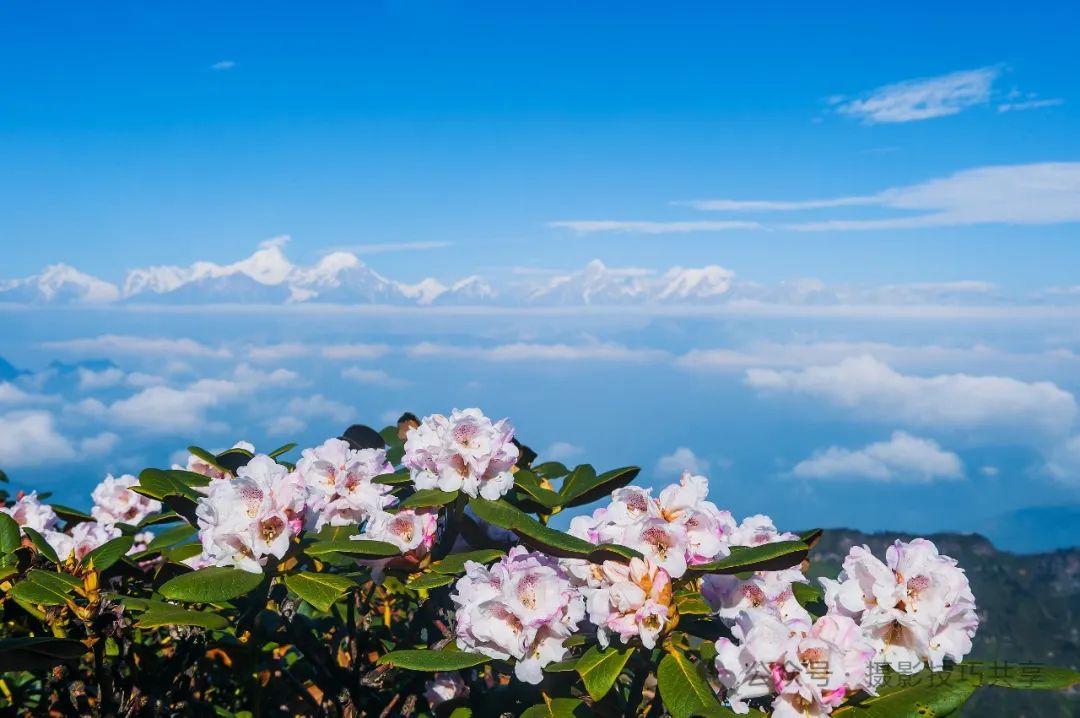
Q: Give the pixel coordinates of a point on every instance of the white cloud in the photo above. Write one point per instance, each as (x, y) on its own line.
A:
(924, 98)
(1040, 193)
(354, 351)
(561, 451)
(679, 461)
(285, 425)
(277, 352)
(112, 344)
(1063, 462)
(90, 379)
(318, 406)
(11, 394)
(223, 65)
(99, 445)
(902, 458)
(872, 388)
(1033, 104)
(383, 248)
(30, 438)
(376, 377)
(590, 226)
(524, 351)
(803, 354)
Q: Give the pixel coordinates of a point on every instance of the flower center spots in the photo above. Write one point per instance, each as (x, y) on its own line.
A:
(271, 528)
(465, 433)
(917, 585)
(252, 498)
(402, 527)
(651, 622)
(526, 591)
(753, 594)
(658, 539)
(637, 504)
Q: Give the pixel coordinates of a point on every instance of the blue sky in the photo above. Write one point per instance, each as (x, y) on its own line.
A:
(880, 151)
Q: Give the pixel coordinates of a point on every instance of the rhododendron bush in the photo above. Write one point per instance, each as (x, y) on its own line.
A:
(417, 572)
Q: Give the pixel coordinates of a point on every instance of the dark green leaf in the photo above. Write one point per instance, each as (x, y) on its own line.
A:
(206, 457)
(427, 660)
(557, 708)
(169, 615)
(551, 469)
(428, 581)
(159, 483)
(10, 534)
(281, 450)
(920, 696)
(210, 585)
(425, 498)
(599, 669)
(527, 482)
(394, 479)
(72, 516)
(455, 562)
(45, 588)
(583, 486)
(683, 686)
(1026, 676)
(321, 590)
(108, 553)
(37, 653)
(174, 535)
(766, 557)
(41, 544)
(691, 603)
(359, 548)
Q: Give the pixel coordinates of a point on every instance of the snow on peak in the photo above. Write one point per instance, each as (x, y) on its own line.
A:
(705, 282)
(60, 283)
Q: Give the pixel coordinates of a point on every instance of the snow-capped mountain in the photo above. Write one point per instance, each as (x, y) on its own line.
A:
(679, 284)
(58, 284)
(595, 284)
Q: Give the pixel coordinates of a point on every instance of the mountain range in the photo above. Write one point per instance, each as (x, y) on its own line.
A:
(340, 277)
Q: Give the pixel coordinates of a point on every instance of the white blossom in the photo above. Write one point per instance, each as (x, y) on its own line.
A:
(917, 606)
(244, 520)
(115, 502)
(445, 687)
(84, 538)
(339, 483)
(523, 607)
(28, 511)
(632, 600)
(464, 451)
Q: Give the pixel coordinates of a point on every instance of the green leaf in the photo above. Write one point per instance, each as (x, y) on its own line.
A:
(206, 456)
(691, 603)
(538, 536)
(425, 498)
(159, 483)
(531, 486)
(683, 686)
(806, 594)
(395, 479)
(45, 588)
(73, 516)
(181, 553)
(172, 536)
(811, 537)
(1025, 676)
(358, 548)
(600, 669)
(922, 695)
(428, 660)
(428, 581)
(108, 553)
(282, 450)
(10, 534)
(210, 585)
(551, 469)
(165, 517)
(583, 486)
(455, 562)
(321, 590)
(556, 708)
(41, 544)
(766, 557)
(169, 615)
(37, 653)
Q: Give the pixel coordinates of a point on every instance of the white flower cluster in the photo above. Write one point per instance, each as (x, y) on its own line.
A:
(917, 606)
(678, 529)
(630, 601)
(116, 503)
(245, 520)
(413, 531)
(199, 466)
(28, 511)
(464, 451)
(522, 607)
(339, 483)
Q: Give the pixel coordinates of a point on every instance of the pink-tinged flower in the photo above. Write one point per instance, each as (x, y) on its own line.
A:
(445, 687)
(244, 520)
(757, 530)
(763, 591)
(523, 607)
(809, 669)
(115, 502)
(413, 531)
(664, 543)
(464, 451)
(917, 606)
(198, 466)
(339, 483)
(30, 512)
(84, 538)
(633, 600)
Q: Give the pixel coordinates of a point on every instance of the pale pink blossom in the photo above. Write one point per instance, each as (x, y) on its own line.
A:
(29, 512)
(339, 483)
(632, 600)
(115, 502)
(464, 451)
(445, 687)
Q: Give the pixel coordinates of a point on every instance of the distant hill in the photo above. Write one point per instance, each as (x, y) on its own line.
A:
(1029, 607)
